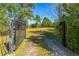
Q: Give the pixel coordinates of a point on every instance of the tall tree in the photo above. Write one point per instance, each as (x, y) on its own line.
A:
(12, 10)
(25, 12)
(46, 22)
(9, 9)
(38, 20)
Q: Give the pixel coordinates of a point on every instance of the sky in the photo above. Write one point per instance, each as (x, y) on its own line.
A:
(45, 10)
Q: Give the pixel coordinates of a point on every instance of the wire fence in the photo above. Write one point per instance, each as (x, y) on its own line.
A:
(4, 40)
(19, 36)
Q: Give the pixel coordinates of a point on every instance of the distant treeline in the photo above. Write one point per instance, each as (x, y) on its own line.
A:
(44, 23)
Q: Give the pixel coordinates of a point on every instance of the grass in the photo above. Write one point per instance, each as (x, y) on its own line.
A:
(3, 48)
(40, 29)
(34, 41)
(54, 36)
(51, 35)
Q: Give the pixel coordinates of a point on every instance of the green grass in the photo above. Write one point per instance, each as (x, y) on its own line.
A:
(53, 36)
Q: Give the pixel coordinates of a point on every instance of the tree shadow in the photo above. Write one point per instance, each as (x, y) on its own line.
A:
(39, 39)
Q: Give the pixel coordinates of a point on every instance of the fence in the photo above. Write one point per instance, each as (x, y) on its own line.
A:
(4, 40)
(20, 35)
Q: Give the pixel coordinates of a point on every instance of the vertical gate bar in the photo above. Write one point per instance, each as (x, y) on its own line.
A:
(63, 36)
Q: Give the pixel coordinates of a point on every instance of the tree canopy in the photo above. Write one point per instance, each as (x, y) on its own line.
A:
(46, 22)
(38, 20)
(16, 11)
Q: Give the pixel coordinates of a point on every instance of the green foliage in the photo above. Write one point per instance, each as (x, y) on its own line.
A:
(56, 23)
(33, 25)
(18, 11)
(38, 20)
(46, 22)
(4, 21)
(71, 13)
(53, 36)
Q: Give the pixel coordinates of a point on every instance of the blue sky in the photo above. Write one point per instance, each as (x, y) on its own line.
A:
(45, 10)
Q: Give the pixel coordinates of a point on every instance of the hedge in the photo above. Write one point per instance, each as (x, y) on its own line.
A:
(72, 35)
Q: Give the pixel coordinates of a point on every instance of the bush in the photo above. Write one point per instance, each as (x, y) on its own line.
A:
(72, 35)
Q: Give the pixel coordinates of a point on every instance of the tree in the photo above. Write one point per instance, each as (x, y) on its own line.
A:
(15, 11)
(9, 9)
(46, 22)
(38, 20)
(25, 12)
(12, 10)
(4, 21)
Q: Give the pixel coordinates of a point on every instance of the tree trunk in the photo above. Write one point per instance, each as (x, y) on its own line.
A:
(11, 42)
